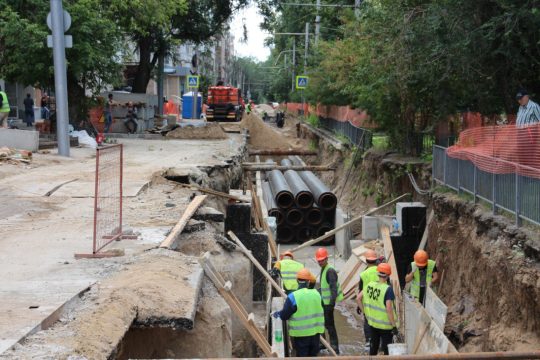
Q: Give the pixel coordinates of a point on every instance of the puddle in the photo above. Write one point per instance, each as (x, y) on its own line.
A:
(350, 330)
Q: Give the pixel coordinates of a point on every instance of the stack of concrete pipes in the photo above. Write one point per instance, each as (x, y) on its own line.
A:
(302, 204)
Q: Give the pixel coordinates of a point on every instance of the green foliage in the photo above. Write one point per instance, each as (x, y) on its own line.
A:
(313, 145)
(380, 142)
(313, 120)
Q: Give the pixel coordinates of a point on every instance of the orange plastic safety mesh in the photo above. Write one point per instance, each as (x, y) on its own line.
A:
(501, 149)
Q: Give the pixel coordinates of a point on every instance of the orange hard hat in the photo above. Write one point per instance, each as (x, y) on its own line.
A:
(304, 275)
(286, 253)
(421, 258)
(321, 254)
(384, 268)
(313, 279)
(371, 255)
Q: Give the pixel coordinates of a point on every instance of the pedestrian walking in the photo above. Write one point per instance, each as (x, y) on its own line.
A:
(377, 303)
(28, 110)
(4, 109)
(366, 277)
(131, 118)
(422, 273)
(287, 268)
(108, 113)
(305, 316)
(331, 294)
(529, 111)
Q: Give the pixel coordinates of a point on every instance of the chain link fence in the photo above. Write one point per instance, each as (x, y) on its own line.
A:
(510, 192)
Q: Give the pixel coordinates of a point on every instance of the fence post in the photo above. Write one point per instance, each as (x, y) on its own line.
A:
(444, 164)
(475, 177)
(459, 176)
(494, 193)
(518, 199)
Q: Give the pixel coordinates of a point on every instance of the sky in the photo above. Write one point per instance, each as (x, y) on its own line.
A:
(255, 44)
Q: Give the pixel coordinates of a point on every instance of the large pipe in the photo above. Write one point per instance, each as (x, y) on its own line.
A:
(280, 189)
(323, 229)
(271, 206)
(303, 197)
(304, 233)
(294, 217)
(323, 196)
(516, 355)
(313, 216)
(267, 167)
(268, 162)
(285, 234)
(279, 152)
(286, 162)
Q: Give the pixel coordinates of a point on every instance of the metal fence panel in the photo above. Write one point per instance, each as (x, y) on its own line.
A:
(438, 163)
(505, 191)
(452, 172)
(466, 176)
(484, 185)
(360, 137)
(529, 197)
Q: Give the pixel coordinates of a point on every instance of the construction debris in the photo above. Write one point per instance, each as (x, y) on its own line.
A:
(15, 156)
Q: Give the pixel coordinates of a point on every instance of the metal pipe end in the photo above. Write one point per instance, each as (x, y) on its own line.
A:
(304, 200)
(294, 217)
(314, 216)
(304, 233)
(285, 235)
(284, 199)
(323, 229)
(278, 214)
(327, 201)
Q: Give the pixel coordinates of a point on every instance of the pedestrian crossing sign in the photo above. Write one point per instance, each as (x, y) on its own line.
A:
(193, 81)
(301, 82)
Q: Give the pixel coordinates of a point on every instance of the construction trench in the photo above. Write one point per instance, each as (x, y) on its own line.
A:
(193, 291)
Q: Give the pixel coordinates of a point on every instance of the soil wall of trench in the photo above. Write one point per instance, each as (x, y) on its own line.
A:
(491, 268)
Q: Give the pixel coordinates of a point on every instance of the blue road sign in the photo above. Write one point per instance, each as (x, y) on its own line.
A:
(193, 81)
(302, 82)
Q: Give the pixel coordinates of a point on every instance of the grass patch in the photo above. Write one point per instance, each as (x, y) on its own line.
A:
(380, 142)
(313, 120)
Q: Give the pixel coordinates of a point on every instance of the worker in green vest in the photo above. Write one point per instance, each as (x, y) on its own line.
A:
(304, 312)
(377, 303)
(331, 294)
(4, 109)
(423, 273)
(367, 276)
(287, 268)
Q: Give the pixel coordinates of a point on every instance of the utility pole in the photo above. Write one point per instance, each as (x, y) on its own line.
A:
(195, 90)
(318, 22)
(293, 62)
(161, 68)
(306, 47)
(60, 77)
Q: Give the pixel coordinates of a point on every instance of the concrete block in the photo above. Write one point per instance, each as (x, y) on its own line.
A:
(20, 139)
(257, 243)
(194, 226)
(400, 206)
(206, 213)
(343, 237)
(238, 219)
(370, 228)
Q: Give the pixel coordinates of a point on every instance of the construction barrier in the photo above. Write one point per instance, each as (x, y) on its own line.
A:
(357, 117)
(107, 199)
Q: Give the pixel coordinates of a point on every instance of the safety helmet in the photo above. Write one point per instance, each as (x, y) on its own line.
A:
(421, 258)
(371, 255)
(286, 253)
(313, 279)
(303, 275)
(321, 254)
(384, 269)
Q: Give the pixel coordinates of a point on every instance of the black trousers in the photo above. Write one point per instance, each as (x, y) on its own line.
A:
(378, 336)
(367, 329)
(331, 327)
(306, 345)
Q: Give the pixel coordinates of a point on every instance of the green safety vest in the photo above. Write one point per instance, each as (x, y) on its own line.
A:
(367, 276)
(308, 320)
(5, 103)
(374, 306)
(415, 285)
(288, 269)
(326, 294)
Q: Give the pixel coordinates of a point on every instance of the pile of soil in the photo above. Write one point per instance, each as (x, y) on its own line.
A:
(212, 131)
(262, 136)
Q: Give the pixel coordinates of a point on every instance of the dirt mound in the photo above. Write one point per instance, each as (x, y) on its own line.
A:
(263, 136)
(260, 109)
(211, 131)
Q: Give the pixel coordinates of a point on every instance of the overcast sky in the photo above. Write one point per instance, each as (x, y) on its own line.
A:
(255, 44)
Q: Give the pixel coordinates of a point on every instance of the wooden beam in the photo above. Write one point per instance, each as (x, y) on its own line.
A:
(188, 213)
(212, 192)
(235, 305)
(269, 167)
(349, 223)
(279, 152)
(423, 242)
(272, 281)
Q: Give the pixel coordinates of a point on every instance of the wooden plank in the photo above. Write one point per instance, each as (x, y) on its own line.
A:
(348, 223)
(436, 308)
(355, 278)
(188, 213)
(283, 152)
(269, 278)
(423, 242)
(212, 192)
(236, 306)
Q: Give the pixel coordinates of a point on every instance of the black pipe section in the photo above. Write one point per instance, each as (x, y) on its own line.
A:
(314, 216)
(304, 233)
(285, 235)
(280, 189)
(323, 196)
(271, 206)
(294, 217)
(323, 229)
(278, 214)
(303, 198)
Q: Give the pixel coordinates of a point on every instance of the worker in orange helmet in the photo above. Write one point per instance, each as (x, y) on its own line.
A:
(304, 312)
(331, 294)
(422, 273)
(377, 303)
(367, 276)
(287, 268)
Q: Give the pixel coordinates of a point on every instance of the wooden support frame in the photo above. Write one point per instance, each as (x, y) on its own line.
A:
(269, 278)
(212, 192)
(179, 227)
(225, 289)
(348, 223)
(269, 167)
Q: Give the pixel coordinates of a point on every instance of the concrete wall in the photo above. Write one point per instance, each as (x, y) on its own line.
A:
(20, 139)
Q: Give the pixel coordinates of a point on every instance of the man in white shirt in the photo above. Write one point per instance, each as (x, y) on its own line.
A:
(529, 111)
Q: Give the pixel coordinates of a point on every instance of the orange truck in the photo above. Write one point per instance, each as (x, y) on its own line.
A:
(224, 104)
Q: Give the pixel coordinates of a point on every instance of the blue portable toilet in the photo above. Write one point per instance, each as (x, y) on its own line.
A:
(187, 106)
